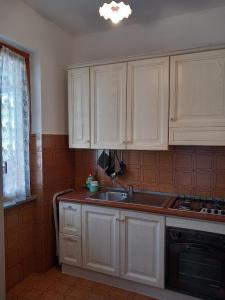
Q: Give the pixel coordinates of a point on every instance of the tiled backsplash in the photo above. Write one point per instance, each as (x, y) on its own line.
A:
(185, 170)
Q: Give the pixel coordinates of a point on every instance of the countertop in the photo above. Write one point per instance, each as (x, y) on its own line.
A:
(81, 196)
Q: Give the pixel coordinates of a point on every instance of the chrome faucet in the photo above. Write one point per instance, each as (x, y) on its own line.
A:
(130, 189)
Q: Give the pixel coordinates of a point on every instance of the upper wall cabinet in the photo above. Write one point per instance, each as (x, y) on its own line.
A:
(108, 106)
(197, 99)
(79, 108)
(147, 104)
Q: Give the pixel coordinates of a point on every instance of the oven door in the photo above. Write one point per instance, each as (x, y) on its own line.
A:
(196, 269)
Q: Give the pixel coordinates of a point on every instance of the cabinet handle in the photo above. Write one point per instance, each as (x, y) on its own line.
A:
(172, 119)
(117, 219)
(70, 239)
(71, 207)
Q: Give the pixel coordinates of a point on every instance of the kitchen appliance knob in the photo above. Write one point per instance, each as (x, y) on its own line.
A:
(223, 212)
(216, 211)
(208, 210)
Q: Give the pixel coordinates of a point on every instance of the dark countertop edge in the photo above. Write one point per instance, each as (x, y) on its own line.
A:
(81, 196)
(13, 203)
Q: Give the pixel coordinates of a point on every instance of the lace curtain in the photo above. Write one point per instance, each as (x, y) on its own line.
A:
(15, 112)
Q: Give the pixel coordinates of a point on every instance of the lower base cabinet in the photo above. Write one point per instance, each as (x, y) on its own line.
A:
(70, 250)
(116, 242)
(100, 239)
(142, 247)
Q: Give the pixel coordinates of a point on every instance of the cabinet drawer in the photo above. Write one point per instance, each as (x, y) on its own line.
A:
(70, 250)
(70, 218)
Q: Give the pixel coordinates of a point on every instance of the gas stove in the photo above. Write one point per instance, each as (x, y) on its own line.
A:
(205, 205)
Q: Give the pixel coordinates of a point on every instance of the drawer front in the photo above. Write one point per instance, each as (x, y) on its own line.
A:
(70, 250)
(70, 218)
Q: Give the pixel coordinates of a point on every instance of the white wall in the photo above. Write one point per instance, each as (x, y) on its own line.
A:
(51, 50)
(174, 33)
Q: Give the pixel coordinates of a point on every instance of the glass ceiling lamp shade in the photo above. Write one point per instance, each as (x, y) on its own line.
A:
(115, 11)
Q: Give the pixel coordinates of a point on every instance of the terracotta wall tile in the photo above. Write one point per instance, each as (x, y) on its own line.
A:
(13, 276)
(204, 161)
(150, 176)
(19, 245)
(183, 160)
(166, 177)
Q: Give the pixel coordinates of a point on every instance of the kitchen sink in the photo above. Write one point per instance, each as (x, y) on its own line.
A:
(139, 198)
(110, 196)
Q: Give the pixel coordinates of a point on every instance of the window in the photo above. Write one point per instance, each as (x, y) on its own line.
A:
(15, 124)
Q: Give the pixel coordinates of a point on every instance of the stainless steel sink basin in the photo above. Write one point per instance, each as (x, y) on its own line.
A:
(139, 198)
(110, 196)
(148, 199)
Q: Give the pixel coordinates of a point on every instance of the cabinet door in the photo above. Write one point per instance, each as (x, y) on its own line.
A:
(70, 218)
(100, 239)
(197, 108)
(108, 106)
(79, 108)
(142, 248)
(70, 250)
(147, 104)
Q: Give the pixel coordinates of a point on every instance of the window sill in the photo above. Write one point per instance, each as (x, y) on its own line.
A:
(13, 203)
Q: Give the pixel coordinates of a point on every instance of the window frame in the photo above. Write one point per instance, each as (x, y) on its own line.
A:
(26, 56)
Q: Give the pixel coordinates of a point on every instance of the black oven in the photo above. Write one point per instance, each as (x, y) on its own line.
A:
(196, 263)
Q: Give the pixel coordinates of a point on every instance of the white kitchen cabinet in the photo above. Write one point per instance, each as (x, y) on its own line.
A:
(70, 250)
(148, 104)
(142, 238)
(70, 218)
(100, 239)
(197, 98)
(108, 106)
(79, 108)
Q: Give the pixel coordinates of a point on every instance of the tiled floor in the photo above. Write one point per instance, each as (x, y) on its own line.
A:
(57, 286)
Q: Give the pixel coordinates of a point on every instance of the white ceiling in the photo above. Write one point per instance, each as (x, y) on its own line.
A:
(80, 17)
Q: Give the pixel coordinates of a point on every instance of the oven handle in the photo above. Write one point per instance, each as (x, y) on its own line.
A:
(198, 248)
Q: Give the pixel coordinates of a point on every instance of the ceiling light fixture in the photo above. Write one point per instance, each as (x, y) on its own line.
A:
(115, 11)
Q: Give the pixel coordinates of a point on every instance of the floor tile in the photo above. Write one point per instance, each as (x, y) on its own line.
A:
(54, 285)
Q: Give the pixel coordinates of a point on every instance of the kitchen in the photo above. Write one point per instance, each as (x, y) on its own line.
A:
(155, 103)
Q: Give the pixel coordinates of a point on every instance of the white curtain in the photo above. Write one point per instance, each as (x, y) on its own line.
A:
(15, 124)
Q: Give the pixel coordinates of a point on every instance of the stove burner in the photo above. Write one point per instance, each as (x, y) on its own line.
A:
(206, 205)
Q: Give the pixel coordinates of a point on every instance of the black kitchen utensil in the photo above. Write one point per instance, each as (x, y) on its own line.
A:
(122, 166)
(111, 164)
(103, 160)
